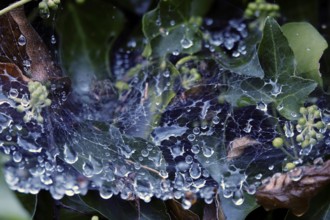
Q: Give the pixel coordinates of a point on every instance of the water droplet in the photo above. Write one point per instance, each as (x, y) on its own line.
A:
(271, 167)
(189, 159)
(262, 106)
(196, 130)
(175, 53)
(191, 137)
(105, 192)
(186, 43)
(236, 54)
(166, 73)
(21, 40)
(251, 189)
(70, 156)
(288, 129)
(88, 169)
(238, 197)
(53, 39)
(13, 93)
(258, 176)
(17, 156)
(276, 90)
(216, 120)
(195, 171)
(296, 174)
(26, 145)
(97, 164)
(195, 149)
(172, 22)
(207, 151)
(163, 173)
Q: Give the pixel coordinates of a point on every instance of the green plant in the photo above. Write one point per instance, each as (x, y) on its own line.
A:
(163, 109)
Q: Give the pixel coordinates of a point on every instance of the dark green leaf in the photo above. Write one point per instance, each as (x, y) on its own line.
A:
(86, 40)
(275, 55)
(174, 27)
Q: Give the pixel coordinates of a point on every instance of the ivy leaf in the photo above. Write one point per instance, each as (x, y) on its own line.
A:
(173, 26)
(86, 40)
(275, 55)
(308, 46)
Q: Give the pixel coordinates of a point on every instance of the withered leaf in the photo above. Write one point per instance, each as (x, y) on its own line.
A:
(238, 145)
(214, 210)
(282, 191)
(176, 211)
(21, 45)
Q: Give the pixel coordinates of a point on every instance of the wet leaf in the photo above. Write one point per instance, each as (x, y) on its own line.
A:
(85, 40)
(293, 190)
(173, 26)
(239, 212)
(308, 46)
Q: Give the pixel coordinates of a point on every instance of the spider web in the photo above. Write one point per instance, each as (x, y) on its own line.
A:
(168, 134)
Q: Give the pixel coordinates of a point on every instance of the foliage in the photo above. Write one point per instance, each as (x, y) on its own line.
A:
(160, 109)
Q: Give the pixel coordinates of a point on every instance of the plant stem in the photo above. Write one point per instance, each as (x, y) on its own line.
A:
(13, 6)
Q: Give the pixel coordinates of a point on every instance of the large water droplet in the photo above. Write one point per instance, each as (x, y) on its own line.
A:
(31, 147)
(106, 192)
(288, 129)
(207, 151)
(195, 171)
(21, 40)
(262, 106)
(186, 43)
(70, 156)
(88, 169)
(238, 197)
(17, 156)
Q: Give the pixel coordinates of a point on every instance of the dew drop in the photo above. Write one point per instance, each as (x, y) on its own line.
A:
(262, 106)
(191, 137)
(195, 149)
(88, 169)
(21, 40)
(53, 39)
(70, 156)
(196, 130)
(189, 159)
(17, 156)
(296, 174)
(186, 43)
(288, 129)
(105, 192)
(13, 93)
(207, 151)
(195, 171)
(216, 120)
(238, 197)
(271, 167)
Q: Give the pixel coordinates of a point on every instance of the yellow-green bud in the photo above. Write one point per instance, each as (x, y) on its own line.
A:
(57, 1)
(312, 133)
(305, 143)
(95, 217)
(43, 5)
(290, 166)
(301, 121)
(252, 6)
(278, 142)
(48, 102)
(303, 111)
(299, 138)
(319, 125)
(40, 119)
(20, 108)
(317, 114)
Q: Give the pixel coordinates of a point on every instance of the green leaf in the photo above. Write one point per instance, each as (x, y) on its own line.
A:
(86, 40)
(10, 207)
(238, 212)
(171, 23)
(275, 55)
(308, 46)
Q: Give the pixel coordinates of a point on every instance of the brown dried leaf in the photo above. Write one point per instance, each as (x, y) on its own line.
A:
(283, 192)
(238, 145)
(214, 210)
(10, 70)
(33, 53)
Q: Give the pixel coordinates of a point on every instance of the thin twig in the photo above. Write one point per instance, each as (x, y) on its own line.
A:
(13, 6)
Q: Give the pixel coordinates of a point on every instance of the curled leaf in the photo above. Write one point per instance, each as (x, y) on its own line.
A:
(238, 145)
(293, 190)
